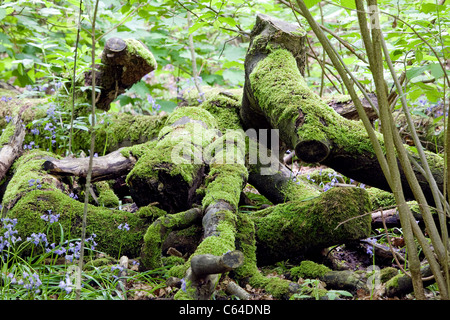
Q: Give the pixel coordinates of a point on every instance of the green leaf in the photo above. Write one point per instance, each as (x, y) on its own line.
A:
(431, 8)
(197, 26)
(2, 13)
(416, 71)
(228, 20)
(141, 89)
(436, 70)
(234, 76)
(49, 12)
(419, 55)
(348, 4)
(167, 106)
(311, 3)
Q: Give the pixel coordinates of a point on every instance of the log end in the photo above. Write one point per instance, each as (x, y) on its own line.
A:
(312, 150)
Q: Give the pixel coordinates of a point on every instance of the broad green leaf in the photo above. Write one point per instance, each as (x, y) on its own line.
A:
(311, 3)
(234, 76)
(416, 71)
(49, 11)
(419, 56)
(228, 20)
(348, 3)
(197, 26)
(167, 106)
(431, 8)
(2, 13)
(436, 70)
(141, 89)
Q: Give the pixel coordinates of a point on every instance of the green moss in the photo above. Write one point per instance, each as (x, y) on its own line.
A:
(150, 212)
(380, 198)
(285, 98)
(102, 221)
(27, 170)
(224, 182)
(157, 233)
(172, 261)
(299, 191)
(7, 134)
(137, 48)
(392, 283)
(387, 273)
(106, 197)
(120, 130)
(188, 136)
(95, 263)
(246, 243)
(178, 271)
(225, 109)
(313, 222)
(309, 269)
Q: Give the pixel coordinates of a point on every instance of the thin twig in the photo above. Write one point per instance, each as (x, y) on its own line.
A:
(91, 156)
(73, 77)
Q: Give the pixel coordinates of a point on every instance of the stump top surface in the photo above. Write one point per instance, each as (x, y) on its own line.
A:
(116, 44)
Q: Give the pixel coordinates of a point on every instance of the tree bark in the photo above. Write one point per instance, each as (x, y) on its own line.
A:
(107, 167)
(11, 145)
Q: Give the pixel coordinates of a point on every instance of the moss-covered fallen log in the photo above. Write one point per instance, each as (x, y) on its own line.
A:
(276, 89)
(311, 224)
(33, 193)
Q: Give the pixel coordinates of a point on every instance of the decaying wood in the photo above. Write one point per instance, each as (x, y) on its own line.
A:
(205, 271)
(276, 91)
(234, 289)
(346, 108)
(106, 167)
(401, 284)
(120, 69)
(13, 148)
(206, 264)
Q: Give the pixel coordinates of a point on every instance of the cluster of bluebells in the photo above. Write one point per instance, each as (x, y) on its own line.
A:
(124, 227)
(432, 110)
(8, 238)
(190, 82)
(30, 282)
(5, 99)
(44, 88)
(49, 129)
(51, 218)
(70, 250)
(154, 106)
(35, 183)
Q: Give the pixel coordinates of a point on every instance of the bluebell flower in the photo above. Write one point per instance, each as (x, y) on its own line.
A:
(124, 226)
(183, 285)
(66, 285)
(38, 238)
(51, 218)
(73, 196)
